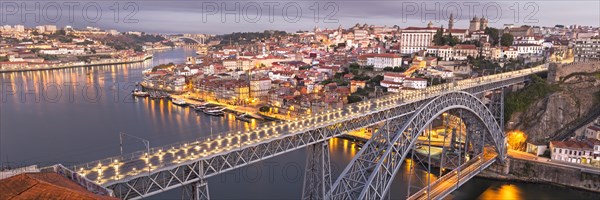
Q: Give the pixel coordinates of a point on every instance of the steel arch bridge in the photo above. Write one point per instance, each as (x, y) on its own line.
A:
(370, 174)
(190, 163)
(201, 41)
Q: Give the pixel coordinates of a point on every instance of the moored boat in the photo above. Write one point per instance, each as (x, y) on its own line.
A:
(139, 93)
(179, 102)
(243, 117)
(214, 112)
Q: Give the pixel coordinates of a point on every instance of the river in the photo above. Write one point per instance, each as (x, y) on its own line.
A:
(74, 115)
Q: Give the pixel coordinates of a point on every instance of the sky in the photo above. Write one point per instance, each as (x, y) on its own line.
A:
(226, 16)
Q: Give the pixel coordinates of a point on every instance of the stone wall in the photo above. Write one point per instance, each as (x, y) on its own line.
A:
(556, 71)
(540, 172)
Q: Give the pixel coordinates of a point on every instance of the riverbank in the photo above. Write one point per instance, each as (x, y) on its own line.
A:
(531, 169)
(40, 67)
(535, 171)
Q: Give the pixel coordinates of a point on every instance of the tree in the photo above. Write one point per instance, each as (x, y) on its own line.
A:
(400, 69)
(507, 39)
(354, 98)
(438, 38)
(264, 109)
(451, 40)
(375, 80)
(493, 34)
(388, 69)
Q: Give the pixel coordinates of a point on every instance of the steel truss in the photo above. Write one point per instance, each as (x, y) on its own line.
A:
(196, 191)
(190, 172)
(370, 174)
(317, 176)
(396, 118)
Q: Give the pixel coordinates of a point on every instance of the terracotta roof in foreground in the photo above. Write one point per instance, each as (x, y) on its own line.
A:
(46, 185)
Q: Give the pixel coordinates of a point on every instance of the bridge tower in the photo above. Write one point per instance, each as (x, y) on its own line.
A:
(317, 175)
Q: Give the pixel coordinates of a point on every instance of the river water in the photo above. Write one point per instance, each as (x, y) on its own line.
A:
(71, 116)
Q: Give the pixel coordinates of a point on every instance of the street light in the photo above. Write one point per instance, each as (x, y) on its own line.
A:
(146, 143)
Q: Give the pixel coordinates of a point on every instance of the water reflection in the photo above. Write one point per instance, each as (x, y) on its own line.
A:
(509, 192)
(74, 115)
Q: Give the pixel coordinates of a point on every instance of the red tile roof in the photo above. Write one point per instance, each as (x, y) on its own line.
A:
(47, 185)
(576, 144)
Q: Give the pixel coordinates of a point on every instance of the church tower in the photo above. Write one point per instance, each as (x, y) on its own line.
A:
(474, 24)
(483, 23)
(451, 22)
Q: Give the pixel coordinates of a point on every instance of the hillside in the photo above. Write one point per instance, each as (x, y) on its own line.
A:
(549, 111)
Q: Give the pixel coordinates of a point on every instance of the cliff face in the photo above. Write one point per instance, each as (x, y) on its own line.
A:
(576, 97)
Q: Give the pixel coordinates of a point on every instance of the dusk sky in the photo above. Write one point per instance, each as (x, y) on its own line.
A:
(189, 16)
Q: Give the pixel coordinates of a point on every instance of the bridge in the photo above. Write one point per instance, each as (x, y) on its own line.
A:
(477, 142)
(197, 38)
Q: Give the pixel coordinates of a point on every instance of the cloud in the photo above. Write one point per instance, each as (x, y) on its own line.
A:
(179, 16)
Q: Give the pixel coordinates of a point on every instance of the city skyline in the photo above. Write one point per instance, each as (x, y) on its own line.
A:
(215, 17)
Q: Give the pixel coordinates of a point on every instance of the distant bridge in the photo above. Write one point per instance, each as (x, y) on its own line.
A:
(369, 175)
(198, 39)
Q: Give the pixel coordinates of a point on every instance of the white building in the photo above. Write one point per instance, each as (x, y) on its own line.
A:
(19, 28)
(529, 49)
(587, 49)
(504, 52)
(415, 83)
(281, 75)
(529, 40)
(458, 52)
(62, 51)
(393, 81)
(259, 88)
(40, 29)
(380, 61)
(414, 39)
(50, 28)
(360, 34)
(575, 151)
(592, 131)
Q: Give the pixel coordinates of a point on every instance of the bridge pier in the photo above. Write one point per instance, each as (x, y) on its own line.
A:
(317, 174)
(196, 191)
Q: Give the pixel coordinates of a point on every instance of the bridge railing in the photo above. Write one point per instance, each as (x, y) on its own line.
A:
(455, 175)
(403, 97)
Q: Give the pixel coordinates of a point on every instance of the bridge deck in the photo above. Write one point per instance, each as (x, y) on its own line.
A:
(454, 179)
(124, 169)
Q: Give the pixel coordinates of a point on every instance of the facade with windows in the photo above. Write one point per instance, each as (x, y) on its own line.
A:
(587, 49)
(576, 151)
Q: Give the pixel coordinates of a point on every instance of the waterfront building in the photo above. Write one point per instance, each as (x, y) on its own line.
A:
(575, 151)
(259, 88)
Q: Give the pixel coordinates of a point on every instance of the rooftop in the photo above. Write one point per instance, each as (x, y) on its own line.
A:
(46, 185)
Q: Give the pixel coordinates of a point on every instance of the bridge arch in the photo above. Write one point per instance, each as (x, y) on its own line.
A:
(192, 39)
(370, 174)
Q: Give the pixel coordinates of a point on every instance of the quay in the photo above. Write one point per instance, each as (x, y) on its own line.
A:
(78, 64)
